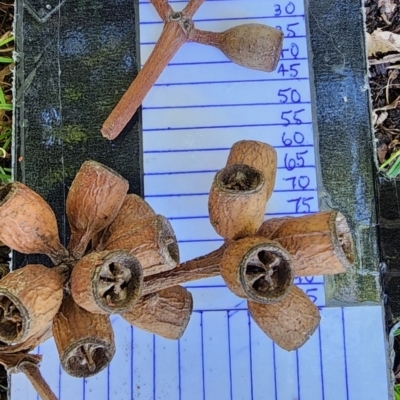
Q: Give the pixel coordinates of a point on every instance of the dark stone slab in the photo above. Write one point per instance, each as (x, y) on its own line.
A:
(389, 238)
(392, 289)
(76, 58)
(345, 138)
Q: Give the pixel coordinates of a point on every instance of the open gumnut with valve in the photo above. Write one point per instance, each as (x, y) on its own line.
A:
(123, 258)
(254, 46)
(259, 260)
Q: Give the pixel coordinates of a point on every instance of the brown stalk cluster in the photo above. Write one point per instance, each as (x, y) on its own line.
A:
(123, 258)
(252, 46)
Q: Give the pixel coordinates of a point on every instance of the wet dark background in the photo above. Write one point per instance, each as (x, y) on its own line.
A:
(76, 58)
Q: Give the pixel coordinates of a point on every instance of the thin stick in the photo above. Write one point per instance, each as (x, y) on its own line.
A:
(198, 268)
(33, 374)
(205, 37)
(171, 39)
(192, 7)
(163, 8)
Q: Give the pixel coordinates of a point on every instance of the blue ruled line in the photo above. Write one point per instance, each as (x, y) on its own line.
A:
(274, 361)
(229, 353)
(38, 352)
(179, 370)
(190, 128)
(202, 355)
(233, 310)
(230, 19)
(216, 149)
(108, 381)
(132, 361)
(266, 214)
(208, 171)
(234, 81)
(59, 381)
(205, 171)
(154, 366)
(200, 240)
(224, 286)
(345, 354)
(178, 1)
(222, 105)
(298, 374)
(178, 64)
(207, 193)
(251, 357)
(320, 363)
(285, 37)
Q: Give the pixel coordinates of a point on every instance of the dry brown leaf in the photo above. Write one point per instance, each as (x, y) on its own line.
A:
(381, 152)
(391, 58)
(383, 42)
(378, 120)
(387, 6)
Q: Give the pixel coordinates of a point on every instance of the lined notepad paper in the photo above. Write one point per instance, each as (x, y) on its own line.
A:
(199, 107)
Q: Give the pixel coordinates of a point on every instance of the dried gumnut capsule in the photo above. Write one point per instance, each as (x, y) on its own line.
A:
(28, 224)
(29, 299)
(257, 269)
(29, 344)
(289, 323)
(93, 201)
(4, 270)
(254, 46)
(258, 155)
(237, 201)
(318, 244)
(151, 240)
(133, 208)
(85, 341)
(107, 282)
(165, 313)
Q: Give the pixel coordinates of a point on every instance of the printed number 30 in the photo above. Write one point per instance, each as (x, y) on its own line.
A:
(289, 9)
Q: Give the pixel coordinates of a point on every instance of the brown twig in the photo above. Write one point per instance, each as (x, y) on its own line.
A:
(251, 45)
(192, 7)
(28, 364)
(171, 39)
(163, 8)
(32, 372)
(198, 268)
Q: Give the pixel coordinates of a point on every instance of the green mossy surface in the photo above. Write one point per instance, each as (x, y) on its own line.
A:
(75, 62)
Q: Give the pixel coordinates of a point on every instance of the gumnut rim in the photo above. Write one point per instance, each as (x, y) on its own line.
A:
(117, 282)
(266, 274)
(240, 178)
(87, 357)
(14, 318)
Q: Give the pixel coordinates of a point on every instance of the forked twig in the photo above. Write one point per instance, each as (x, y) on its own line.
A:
(251, 45)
